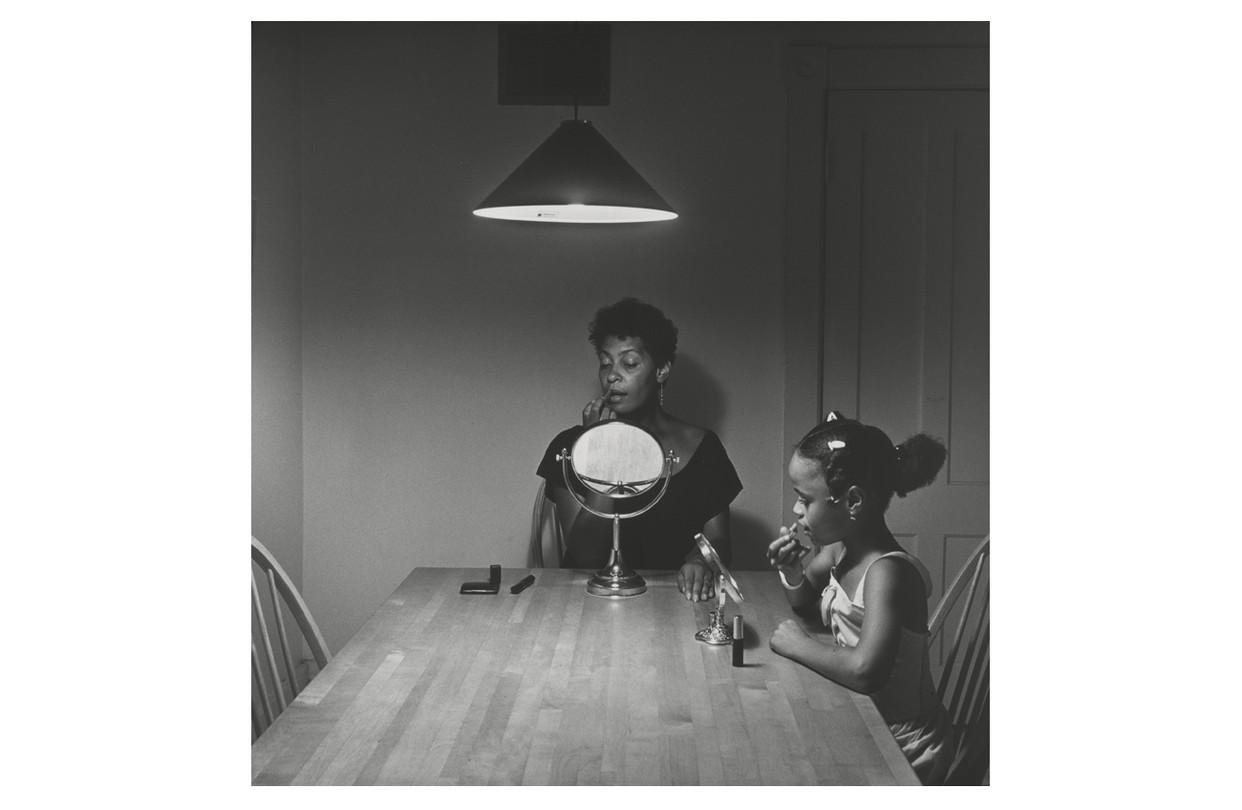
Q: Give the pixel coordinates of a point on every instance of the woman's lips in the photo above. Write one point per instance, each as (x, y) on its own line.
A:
(613, 396)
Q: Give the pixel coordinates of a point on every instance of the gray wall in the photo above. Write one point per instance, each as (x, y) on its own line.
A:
(276, 296)
(441, 352)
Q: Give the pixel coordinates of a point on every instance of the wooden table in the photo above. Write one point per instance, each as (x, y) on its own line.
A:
(553, 686)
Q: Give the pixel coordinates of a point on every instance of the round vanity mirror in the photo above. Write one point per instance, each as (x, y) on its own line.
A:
(616, 470)
(618, 459)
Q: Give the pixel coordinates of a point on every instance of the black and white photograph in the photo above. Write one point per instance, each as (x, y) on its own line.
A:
(620, 403)
(620, 409)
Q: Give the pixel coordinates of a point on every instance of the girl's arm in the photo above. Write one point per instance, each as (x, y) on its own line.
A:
(803, 583)
(867, 667)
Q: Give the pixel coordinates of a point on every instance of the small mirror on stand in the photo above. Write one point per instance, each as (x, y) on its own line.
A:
(717, 632)
(616, 470)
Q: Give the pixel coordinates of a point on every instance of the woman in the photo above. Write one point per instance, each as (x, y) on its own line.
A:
(636, 346)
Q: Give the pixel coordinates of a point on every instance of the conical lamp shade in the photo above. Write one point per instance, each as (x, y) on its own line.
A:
(575, 176)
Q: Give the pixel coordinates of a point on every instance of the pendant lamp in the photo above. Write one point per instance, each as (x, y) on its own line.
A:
(575, 176)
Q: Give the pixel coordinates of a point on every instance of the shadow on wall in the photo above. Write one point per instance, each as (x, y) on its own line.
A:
(751, 535)
(693, 395)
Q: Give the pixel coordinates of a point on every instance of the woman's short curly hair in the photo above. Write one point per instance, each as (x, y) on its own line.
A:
(853, 454)
(632, 318)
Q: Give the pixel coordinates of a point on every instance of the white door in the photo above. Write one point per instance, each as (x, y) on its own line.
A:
(900, 248)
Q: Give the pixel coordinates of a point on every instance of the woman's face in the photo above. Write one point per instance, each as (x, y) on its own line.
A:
(825, 520)
(628, 376)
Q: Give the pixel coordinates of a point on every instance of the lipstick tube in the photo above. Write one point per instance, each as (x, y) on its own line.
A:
(737, 641)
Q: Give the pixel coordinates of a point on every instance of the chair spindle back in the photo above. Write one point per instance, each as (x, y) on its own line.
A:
(281, 596)
(964, 681)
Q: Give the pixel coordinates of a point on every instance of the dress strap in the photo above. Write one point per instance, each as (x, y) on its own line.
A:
(910, 558)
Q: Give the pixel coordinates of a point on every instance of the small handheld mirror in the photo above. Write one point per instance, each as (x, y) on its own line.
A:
(717, 632)
(616, 470)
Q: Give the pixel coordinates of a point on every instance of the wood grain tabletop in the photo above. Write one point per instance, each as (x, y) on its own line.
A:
(555, 687)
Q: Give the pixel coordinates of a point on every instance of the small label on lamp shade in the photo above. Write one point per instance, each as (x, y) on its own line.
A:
(568, 210)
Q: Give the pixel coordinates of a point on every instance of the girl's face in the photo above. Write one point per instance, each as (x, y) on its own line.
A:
(826, 520)
(628, 377)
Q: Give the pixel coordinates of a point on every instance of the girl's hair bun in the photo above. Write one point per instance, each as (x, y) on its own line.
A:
(851, 453)
(919, 459)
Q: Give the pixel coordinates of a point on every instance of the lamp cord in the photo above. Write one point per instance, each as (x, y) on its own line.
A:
(577, 38)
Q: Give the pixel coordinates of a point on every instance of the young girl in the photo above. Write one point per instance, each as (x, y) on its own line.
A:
(868, 591)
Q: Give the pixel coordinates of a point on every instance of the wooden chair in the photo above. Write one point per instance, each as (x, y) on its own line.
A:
(269, 680)
(546, 545)
(964, 686)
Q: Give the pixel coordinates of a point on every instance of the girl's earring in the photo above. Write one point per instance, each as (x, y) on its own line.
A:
(661, 395)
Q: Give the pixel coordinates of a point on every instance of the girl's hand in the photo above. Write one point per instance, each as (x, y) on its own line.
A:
(788, 637)
(596, 410)
(785, 551)
(696, 582)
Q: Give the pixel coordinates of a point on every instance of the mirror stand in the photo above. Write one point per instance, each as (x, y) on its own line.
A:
(717, 632)
(616, 579)
(621, 463)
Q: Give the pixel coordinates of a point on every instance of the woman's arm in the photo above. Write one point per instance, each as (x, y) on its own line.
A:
(867, 667)
(695, 579)
(586, 536)
(716, 531)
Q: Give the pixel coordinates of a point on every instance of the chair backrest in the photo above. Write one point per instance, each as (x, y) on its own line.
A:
(964, 683)
(279, 595)
(545, 532)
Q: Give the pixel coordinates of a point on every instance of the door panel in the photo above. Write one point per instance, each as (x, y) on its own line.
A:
(969, 462)
(904, 270)
(906, 277)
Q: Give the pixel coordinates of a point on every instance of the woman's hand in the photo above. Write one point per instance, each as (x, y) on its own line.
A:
(596, 410)
(788, 638)
(696, 582)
